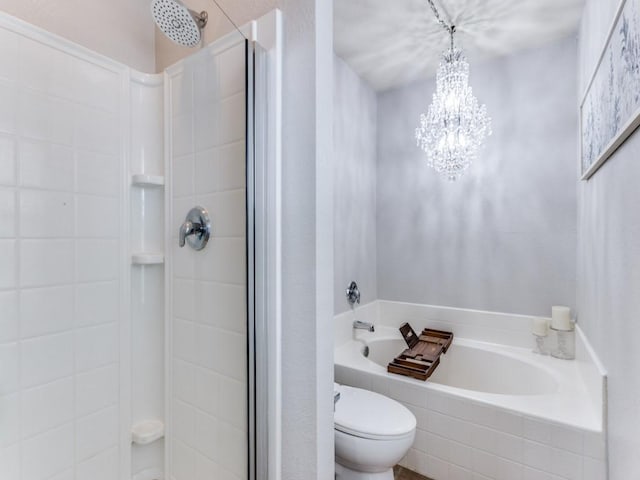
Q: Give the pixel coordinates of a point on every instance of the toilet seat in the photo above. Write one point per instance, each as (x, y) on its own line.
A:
(366, 414)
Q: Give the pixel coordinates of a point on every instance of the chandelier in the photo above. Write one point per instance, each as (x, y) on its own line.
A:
(453, 130)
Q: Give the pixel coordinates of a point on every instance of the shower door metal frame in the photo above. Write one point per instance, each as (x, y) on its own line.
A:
(251, 258)
(264, 117)
(257, 260)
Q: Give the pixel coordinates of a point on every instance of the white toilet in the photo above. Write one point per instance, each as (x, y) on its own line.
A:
(372, 433)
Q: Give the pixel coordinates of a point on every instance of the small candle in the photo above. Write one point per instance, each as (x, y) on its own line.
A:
(561, 318)
(539, 327)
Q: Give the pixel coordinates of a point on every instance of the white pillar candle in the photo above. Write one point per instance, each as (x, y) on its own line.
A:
(540, 327)
(561, 318)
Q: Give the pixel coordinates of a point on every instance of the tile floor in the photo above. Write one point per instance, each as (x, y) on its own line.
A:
(401, 473)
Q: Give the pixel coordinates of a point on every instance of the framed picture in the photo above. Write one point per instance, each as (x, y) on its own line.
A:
(610, 107)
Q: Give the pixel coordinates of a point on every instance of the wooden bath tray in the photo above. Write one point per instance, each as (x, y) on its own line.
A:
(423, 355)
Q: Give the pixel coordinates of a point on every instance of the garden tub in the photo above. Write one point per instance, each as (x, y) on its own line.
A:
(499, 411)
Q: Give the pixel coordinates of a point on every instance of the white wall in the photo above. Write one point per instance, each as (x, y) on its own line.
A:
(609, 265)
(354, 177)
(63, 309)
(307, 241)
(207, 299)
(502, 238)
(120, 29)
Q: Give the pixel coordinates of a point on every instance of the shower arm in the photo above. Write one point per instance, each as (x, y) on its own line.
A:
(201, 18)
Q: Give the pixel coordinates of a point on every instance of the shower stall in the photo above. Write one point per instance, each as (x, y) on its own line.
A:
(133, 337)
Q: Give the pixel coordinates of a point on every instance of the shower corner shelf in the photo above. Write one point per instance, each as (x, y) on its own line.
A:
(144, 433)
(141, 179)
(147, 258)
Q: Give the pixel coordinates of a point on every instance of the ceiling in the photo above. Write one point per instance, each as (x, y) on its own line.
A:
(392, 43)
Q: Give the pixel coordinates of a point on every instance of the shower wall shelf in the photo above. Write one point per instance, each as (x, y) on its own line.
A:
(144, 433)
(146, 182)
(147, 258)
(142, 180)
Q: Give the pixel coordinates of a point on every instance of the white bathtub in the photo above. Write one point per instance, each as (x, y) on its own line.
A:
(513, 378)
(469, 365)
(489, 411)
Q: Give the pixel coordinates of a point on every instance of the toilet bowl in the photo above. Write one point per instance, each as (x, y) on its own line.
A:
(372, 434)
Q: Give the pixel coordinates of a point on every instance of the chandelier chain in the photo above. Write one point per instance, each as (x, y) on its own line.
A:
(449, 28)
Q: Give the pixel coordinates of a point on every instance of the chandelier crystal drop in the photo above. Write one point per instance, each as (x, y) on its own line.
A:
(454, 128)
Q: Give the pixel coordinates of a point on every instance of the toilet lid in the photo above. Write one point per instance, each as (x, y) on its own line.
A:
(370, 415)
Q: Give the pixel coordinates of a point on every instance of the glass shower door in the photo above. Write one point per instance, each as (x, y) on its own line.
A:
(208, 434)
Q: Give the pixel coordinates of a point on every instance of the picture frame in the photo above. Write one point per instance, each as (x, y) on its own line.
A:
(610, 107)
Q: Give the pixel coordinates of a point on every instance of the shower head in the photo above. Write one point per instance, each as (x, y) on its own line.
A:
(177, 22)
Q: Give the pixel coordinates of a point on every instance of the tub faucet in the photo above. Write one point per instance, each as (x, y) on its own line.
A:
(357, 324)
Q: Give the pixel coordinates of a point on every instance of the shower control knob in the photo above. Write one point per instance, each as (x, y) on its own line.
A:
(196, 229)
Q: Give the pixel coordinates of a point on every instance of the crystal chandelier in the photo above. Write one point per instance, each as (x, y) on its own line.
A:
(453, 130)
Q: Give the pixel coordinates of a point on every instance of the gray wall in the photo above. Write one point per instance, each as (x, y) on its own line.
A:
(354, 142)
(609, 266)
(502, 237)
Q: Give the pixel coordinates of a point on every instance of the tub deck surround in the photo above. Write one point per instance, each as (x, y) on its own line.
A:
(506, 377)
(546, 423)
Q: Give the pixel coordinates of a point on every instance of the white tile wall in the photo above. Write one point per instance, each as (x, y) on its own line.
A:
(48, 453)
(46, 310)
(45, 165)
(60, 228)
(208, 426)
(100, 467)
(7, 158)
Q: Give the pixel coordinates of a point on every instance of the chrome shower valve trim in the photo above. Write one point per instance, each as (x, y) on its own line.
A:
(196, 229)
